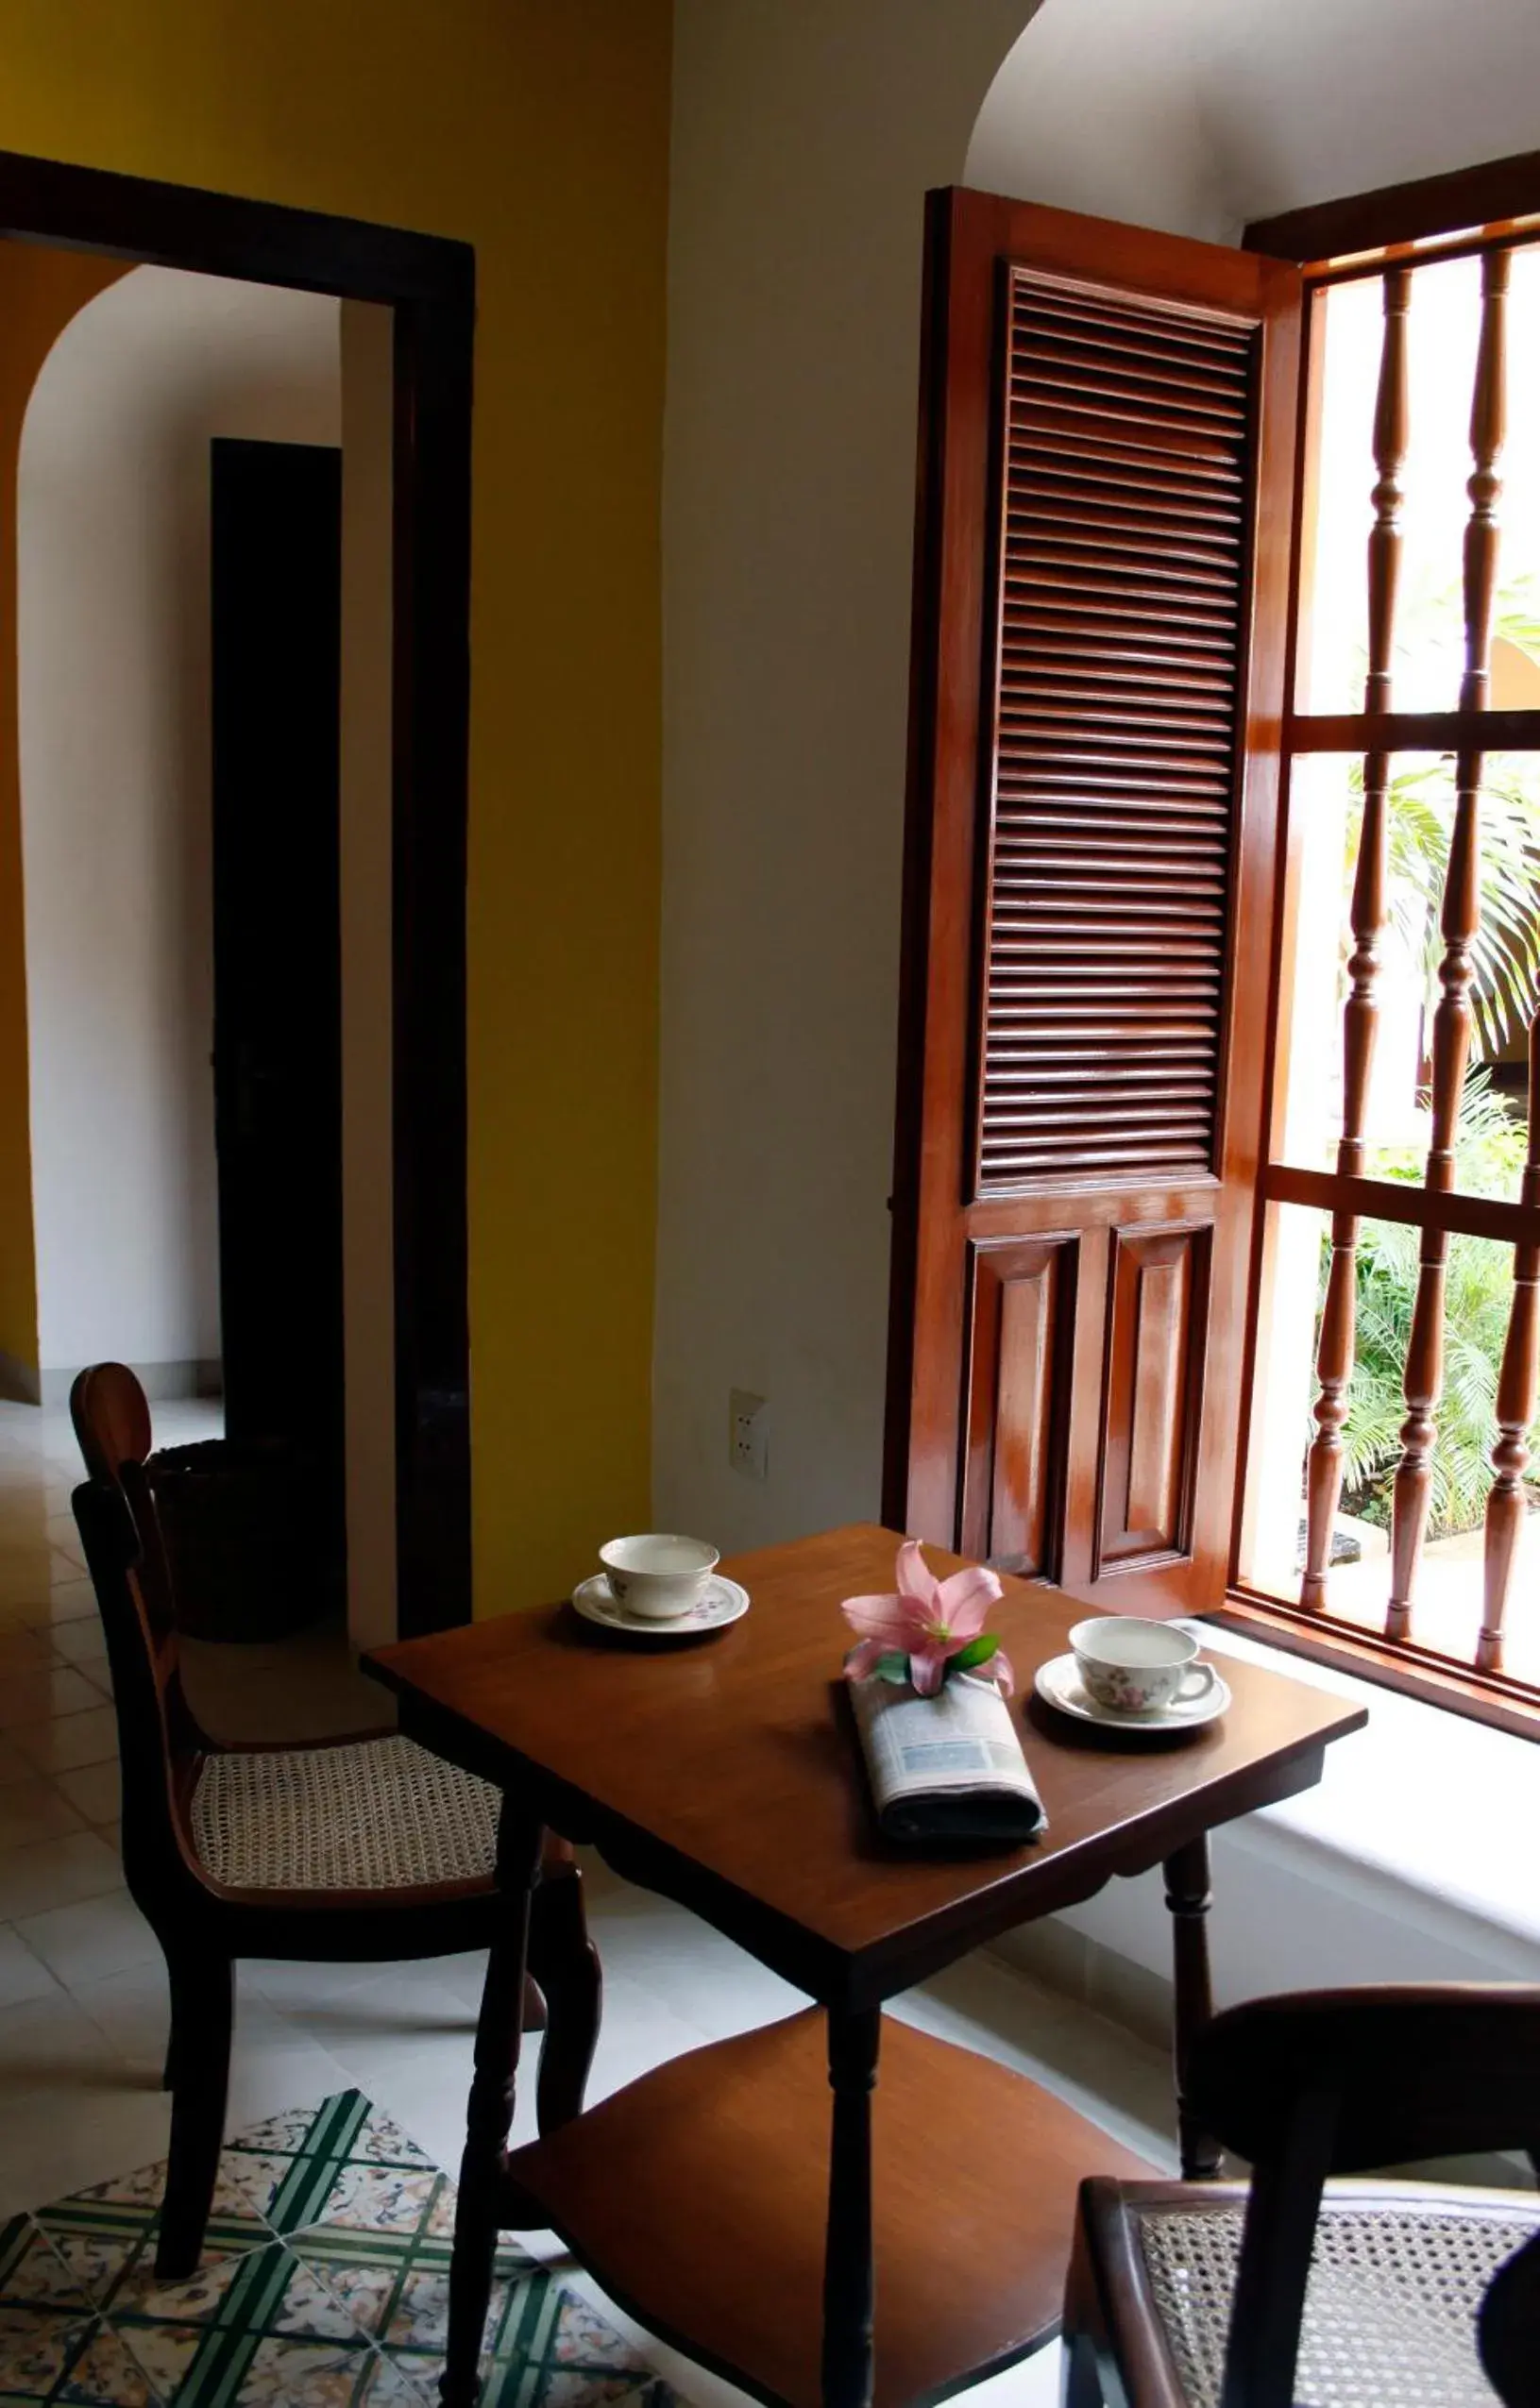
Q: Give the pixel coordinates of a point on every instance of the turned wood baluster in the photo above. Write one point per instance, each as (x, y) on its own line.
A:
(1516, 1387)
(1360, 1016)
(1422, 1383)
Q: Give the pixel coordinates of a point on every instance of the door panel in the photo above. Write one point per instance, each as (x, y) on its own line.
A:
(1152, 1399)
(1019, 1372)
(1101, 578)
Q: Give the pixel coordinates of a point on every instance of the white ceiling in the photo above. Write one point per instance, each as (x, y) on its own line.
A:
(1195, 115)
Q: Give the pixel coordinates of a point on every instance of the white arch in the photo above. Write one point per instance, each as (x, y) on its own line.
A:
(112, 546)
(1196, 115)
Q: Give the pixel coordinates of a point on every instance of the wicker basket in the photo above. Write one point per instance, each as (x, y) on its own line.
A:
(250, 1533)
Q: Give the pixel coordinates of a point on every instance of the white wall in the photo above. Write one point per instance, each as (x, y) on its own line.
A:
(1197, 116)
(804, 141)
(114, 618)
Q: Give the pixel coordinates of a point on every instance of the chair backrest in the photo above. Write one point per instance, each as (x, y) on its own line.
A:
(1339, 2081)
(159, 1743)
(111, 1419)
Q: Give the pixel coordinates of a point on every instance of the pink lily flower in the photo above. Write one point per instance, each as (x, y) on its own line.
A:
(930, 1620)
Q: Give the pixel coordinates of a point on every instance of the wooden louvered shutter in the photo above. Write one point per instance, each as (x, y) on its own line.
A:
(1106, 468)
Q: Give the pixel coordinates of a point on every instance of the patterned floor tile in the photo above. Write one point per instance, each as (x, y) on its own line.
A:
(297, 2374)
(395, 2382)
(279, 2135)
(381, 2142)
(37, 2345)
(106, 2376)
(382, 2198)
(32, 2271)
(324, 2284)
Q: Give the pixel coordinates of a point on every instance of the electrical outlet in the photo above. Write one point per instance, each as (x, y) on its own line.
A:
(748, 1434)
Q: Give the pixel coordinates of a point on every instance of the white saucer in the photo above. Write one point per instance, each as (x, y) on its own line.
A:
(1059, 1684)
(721, 1602)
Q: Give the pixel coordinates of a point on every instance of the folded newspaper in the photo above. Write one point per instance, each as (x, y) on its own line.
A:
(948, 1767)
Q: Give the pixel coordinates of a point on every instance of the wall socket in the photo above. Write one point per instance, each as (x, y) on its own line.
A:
(748, 1434)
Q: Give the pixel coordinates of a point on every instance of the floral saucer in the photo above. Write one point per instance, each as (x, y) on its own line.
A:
(1058, 1683)
(721, 1602)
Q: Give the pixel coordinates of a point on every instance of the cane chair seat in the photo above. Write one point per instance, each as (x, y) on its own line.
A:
(380, 1815)
(1396, 2278)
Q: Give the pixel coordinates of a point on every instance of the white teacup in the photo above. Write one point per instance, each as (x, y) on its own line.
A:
(1132, 1666)
(657, 1572)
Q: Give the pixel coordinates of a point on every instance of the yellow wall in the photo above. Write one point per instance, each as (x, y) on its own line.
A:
(537, 131)
(40, 293)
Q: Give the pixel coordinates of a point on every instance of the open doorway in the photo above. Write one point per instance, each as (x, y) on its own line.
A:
(179, 641)
(368, 1164)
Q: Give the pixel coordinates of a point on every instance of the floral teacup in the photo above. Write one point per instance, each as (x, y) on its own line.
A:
(1132, 1666)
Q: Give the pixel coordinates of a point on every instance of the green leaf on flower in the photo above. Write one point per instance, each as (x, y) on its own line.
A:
(894, 1668)
(977, 1651)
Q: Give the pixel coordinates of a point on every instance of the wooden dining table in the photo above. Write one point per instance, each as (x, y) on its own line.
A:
(836, 2208)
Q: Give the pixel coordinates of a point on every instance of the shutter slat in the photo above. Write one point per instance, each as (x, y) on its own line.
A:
(1197, 334)
(1121, 610)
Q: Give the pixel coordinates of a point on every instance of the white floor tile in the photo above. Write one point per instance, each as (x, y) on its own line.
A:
(14, 1764)
(87, 1942)
(56, 1872)
(27, 1573)
(63, 1536)
(72, 1599)
(35, 1809)
(23, 1976)
(131, 2010)
(92, 1790)
(72, 1741)
(26, 1650)
(82, 1642)
(54, 1691)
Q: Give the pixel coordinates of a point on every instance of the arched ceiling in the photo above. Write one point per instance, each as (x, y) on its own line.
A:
(1197, 116)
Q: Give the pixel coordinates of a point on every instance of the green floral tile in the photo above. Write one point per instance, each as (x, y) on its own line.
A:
(324, 2283)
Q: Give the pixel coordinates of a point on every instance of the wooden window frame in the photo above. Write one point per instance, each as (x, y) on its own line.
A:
(1475, 210)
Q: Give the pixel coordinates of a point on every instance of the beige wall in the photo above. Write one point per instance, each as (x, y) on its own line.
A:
(804, 141)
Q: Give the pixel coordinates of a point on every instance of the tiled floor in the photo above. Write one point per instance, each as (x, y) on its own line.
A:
(82, 1991)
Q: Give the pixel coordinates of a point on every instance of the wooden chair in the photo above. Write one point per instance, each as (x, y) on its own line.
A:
(359, 1850)
(1195, 2294)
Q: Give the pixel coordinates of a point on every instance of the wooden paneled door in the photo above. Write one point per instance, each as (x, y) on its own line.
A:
(1105, 475)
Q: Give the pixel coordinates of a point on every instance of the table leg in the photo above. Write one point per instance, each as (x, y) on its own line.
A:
(1187, 1893)
(848, 2289)
(491, 2109)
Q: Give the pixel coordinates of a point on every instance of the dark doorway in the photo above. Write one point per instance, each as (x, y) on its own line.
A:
(276, 557)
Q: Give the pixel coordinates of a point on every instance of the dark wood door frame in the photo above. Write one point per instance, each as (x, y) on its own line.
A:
(429, 282)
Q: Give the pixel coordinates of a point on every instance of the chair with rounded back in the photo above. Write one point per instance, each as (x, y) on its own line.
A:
(357, 1850)
(1215, 2295)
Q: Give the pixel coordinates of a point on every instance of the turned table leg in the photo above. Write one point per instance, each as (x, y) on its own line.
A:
(1187, 1893)
(491, 2109)
(848, 2288)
